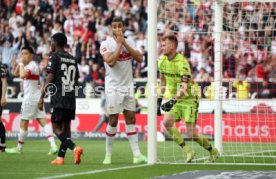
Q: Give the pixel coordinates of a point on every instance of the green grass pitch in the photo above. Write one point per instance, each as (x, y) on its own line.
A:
(34, 162)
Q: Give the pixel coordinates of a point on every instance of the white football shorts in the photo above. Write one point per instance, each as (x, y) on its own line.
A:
(30, 111)
(117, 102)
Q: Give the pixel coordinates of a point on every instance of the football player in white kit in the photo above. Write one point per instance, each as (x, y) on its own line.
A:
(28, 70)
(118, 54)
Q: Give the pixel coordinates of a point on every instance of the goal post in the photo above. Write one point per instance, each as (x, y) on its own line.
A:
(218, 75)
(152, 79)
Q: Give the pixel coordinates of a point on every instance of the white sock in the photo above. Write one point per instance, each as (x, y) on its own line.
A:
(2, 145)
(50, 135)
(133, 139)
(22, 135)
(110, 136)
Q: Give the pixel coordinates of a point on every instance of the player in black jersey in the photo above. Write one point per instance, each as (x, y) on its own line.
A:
(62, 76)
(3, 90)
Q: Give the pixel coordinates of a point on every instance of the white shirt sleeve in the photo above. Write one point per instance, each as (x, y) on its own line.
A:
(104, 48)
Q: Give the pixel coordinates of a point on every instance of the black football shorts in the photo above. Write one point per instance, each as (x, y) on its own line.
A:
(60, 114)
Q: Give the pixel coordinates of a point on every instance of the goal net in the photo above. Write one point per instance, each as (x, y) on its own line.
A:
(248, 59)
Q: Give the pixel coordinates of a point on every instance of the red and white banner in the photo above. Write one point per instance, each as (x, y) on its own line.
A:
(236, 127)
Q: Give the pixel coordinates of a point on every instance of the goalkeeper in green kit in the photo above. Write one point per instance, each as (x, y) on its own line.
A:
(176, 77)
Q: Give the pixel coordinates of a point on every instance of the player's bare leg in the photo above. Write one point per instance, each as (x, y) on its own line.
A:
(202, 141)
(50, 136)
(133, 137)
(168, 122)
(63, 132)
(110, 137)
(23, 132)
(2, 136)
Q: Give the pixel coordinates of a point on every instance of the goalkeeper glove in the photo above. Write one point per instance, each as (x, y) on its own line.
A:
(159, 102)
(168, 105)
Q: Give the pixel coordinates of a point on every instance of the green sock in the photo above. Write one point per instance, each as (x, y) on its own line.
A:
(175, 134)
(203, 141)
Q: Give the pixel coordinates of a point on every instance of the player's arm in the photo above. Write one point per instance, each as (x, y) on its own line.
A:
(134, 53)
(4, 85)
(16, 70)
(180, 93)
(51, 70)
(182, 87)
(49, 79)
(22, 71)
(163, 84)
(111, 57)
(4, 91)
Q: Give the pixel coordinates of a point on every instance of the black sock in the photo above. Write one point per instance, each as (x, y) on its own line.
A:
(210, 148)
(182, 144)
(66, 140)
(2, 133)
(62, 150)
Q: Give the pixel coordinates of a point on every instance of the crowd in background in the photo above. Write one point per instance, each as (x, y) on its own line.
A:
(248, 43)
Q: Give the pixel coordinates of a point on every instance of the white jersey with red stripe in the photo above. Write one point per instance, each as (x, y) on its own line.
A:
(31, 83)
(120, 75)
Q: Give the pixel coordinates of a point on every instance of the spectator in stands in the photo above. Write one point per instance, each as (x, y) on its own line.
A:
(265, 90)
(261, 72)
(8, 50)
(209, 91)
(243, 88)
(144, 64)
(86, 24)
(83, 70)
(202, 76)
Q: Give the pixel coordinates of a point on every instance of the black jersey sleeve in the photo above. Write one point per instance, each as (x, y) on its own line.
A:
(52, 64)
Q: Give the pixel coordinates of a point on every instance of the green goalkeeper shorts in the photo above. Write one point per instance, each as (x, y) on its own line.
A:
(188, 112)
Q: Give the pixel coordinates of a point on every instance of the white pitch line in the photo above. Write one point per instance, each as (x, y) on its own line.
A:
(251, 164)
(94, 171)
